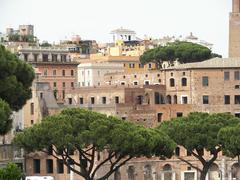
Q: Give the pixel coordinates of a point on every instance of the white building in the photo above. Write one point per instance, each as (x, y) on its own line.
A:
(123, 35)
(92, 74)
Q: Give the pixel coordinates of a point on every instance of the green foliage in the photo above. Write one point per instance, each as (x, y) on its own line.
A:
(184, 52)
(15, 79)
(21, 38)
(199, 131)
(11, 172)
(230, 140)
(14, 37)
(79, 129)
(5, 118)
(45, 44)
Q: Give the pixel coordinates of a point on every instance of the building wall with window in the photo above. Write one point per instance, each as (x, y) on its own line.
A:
(62, 77)
(92, 74)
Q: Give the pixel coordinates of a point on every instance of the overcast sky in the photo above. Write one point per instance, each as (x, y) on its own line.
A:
(94, 19)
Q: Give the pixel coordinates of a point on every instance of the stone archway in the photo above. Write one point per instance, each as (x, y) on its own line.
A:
(167, 173)
(148, 172)
(213, 173)
(235, 171)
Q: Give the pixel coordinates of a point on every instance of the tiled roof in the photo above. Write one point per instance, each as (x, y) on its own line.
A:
(211, 63)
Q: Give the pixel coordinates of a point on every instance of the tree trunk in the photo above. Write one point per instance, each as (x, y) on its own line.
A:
(204, 173)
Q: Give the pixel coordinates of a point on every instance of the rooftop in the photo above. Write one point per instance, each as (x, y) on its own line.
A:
(211, 63)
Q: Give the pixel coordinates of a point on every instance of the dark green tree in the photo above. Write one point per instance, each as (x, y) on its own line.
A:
(184, 52)
(230, 140)
(11, 172)
(15, 79)
(198, 132)
(5, 118)
(98, 139)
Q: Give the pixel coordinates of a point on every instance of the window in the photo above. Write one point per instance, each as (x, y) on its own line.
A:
(60, 167)
(172, 82)
(236, 75)
(135, 76)
(179, 114)
(116, 99)
(146, 82)
(141, 65)
(226, 99)
(36, 166)
(63, 72)
(63, 94)
(54, 57)
(122, 83)
(171, 74)
(92, 100)
(159, 117)
(69, 100)
(175, 99)
(124, 77)
(177, 151)
(32, 108)
(184, 81)
(135, 83)
(81, 100)
(32, 122)
(184, 73)
(72, 73)
(146, 75)
(45, 57)
(226, 76)
(49, 166)
(237, 99)
(149, 66)
(45, 72)
(205, 81)
(139, 99)
(205, 100)
(131, 65)
(169, 99)
(237, 114)
(35, 57)
(54, 84)
(63, 58)
(184, 100)
(104, 100)
(54, 72)
(72, 84)
(63, 84)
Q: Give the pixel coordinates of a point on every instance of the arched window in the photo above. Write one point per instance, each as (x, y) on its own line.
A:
(177, 151)
(148, 172)
(167, 167)
(235, 170)
(184, 81)
(214, 172)
(131, 173)
(169, 99)
(167, 171)
(172, 82)
(175, 99)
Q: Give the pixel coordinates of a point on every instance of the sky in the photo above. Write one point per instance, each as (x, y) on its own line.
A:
(56, 20)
